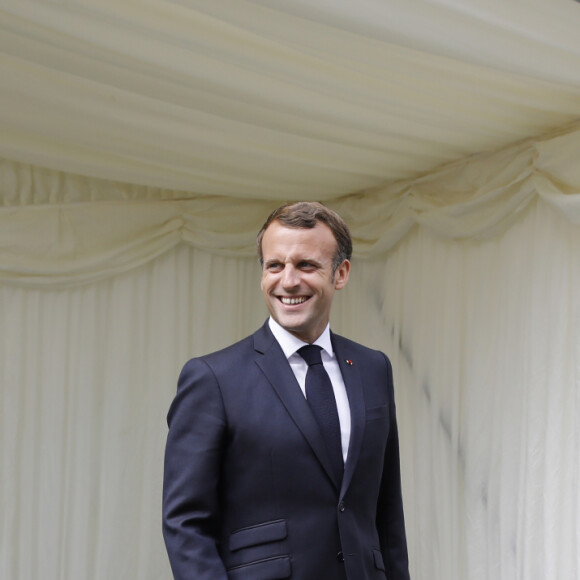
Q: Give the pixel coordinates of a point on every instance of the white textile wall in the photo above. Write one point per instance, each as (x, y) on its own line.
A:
(485, 341)
(486, 346)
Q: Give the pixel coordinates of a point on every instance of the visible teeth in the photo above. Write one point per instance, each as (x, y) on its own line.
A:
(293, 300)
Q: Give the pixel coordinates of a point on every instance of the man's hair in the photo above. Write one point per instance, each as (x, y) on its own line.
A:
(306, 214)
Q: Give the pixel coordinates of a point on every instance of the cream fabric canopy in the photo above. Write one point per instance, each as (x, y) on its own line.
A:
(282, 98)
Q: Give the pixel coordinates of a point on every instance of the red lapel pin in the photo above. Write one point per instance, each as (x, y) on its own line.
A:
(348, 362)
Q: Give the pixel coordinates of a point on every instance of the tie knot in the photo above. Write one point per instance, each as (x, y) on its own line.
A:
(311, 354)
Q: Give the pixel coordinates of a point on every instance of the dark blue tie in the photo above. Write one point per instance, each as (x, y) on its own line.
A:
(320, 397)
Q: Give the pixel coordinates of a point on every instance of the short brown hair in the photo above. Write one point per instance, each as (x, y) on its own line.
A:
(306, 214)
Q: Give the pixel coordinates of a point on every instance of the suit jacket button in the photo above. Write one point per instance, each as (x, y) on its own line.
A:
(340, 557)
(341, 506)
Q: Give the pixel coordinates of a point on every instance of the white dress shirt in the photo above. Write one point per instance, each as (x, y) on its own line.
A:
(290, 344)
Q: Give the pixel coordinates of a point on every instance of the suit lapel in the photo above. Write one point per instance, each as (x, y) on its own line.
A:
(350, 370)
(277, 370)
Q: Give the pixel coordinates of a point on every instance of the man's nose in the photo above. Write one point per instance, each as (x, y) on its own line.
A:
(290, 277)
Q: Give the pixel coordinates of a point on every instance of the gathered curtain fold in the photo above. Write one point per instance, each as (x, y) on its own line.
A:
(64, 229)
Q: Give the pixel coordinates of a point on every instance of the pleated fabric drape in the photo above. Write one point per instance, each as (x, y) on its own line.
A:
(485, 341)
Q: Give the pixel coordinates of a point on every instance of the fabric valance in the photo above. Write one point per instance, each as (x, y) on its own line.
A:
(59, 228)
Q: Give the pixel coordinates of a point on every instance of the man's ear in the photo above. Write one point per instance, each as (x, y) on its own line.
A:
(341, 275)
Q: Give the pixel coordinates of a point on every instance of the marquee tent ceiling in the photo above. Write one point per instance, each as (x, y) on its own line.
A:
(279, 99)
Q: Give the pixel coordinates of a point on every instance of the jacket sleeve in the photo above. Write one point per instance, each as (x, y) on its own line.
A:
(195, 442)
(390, 518)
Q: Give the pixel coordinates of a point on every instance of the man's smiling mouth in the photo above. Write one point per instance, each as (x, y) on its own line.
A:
(293, 300)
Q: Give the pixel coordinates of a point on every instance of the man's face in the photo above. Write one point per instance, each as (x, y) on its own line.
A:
(297, 279)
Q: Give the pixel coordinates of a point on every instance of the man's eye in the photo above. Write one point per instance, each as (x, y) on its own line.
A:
(306, 265)
(274, 267)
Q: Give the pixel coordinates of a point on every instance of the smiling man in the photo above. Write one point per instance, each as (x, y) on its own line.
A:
(282, 457)
(299, 276)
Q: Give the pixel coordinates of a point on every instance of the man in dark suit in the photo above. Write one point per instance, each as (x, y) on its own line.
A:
(278, 466)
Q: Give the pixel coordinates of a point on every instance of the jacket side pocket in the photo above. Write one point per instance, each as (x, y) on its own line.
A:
(258, 534)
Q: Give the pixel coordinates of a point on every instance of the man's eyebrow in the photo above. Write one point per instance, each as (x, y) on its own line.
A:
(309, 261)
(303, 260)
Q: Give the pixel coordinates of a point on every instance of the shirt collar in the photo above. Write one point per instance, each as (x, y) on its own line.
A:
(290, 343)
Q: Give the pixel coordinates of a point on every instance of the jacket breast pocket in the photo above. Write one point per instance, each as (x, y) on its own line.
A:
(377, 413)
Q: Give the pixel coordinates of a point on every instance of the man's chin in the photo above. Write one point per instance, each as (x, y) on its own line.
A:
(290, 324)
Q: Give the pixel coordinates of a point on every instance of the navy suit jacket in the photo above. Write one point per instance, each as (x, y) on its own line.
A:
(248, 486)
